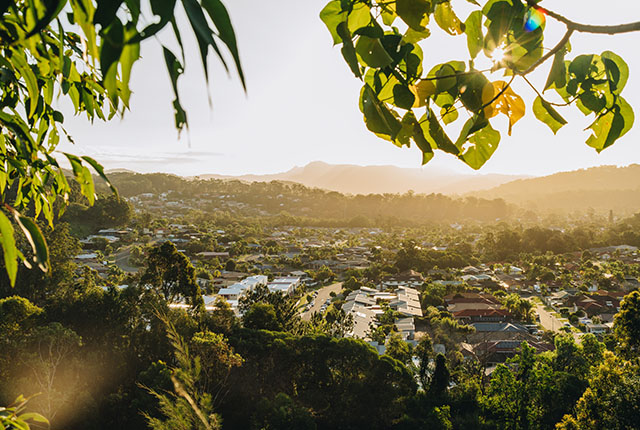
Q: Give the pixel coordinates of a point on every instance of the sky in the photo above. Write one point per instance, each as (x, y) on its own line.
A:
(301, 103)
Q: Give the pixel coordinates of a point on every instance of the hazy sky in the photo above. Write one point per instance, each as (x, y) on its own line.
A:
(302, 102)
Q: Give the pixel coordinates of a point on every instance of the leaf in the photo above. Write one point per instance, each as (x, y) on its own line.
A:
(348, 50)
(378, 118)
(547, 114)
(580, 67)
(558, 74)
(372, 52)
(413, 36)
(175, 69)
(617, 71)
(415, 13)
(473, 30)
(52, 9)
(449, 114)
(508, 103)
(9, 248)
(36, 240)
(611, 125)
(447, 19)
(220, 18)
(359, 17)
(162, 8)
(423, 90)
(100, 170)
(332, 15)
(33, 416)
(472, 88)
(83, 176)
(435, 134)
(110, 51)
(403, 97)
(130, 54)
(106, 12)
(19, 61)
(480, 146)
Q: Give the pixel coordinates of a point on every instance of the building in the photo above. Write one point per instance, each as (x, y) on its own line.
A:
(284, 285)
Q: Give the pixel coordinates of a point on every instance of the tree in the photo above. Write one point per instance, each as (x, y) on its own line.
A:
(261, 316)
(84, 52)
(171, 274)
(398, 87)
(626, 325)
(398, 349)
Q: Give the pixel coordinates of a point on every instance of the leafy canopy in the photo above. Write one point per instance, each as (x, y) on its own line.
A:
(405, 100)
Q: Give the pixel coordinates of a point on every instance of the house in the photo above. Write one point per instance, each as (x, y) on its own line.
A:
(284, 285)
(597, 328)
(208, 255)
(407, 302)
(410, 278)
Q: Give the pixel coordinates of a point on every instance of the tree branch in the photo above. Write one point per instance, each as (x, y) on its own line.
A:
(549, 54)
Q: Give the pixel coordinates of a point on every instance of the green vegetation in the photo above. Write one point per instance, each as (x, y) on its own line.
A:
(405, 99)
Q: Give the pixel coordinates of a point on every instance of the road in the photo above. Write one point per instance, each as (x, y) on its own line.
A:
(122, 259)
(547, 320)
(323, 294)
(550, 322)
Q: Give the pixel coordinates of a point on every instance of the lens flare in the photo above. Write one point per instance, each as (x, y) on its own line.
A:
(498, 54)
(533, 20)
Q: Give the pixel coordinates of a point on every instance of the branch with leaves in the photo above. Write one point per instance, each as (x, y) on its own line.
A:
(82, 51)
(381, 43)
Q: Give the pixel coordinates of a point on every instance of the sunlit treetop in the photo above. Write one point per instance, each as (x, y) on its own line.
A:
(405, 100)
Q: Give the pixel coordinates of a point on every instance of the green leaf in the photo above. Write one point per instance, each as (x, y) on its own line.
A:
(558, 74)
(415, 13)
(480, 146)
(33, 416)
(377, 116)
(472, 87)
(611, 126)
(220, 18)
(9, 248)
(348, 50)
(100, 170)
(332, 15)
(449, 114)
(617, 71)
(106, 12)
(580, 67)
(83, 176)
(110, 51)
(372, 52)
(547, 114)
(175, 69)
(52, 9)
(36, 240)
(130, 54)
(19, 61)
(359, 17)
(403, 97)
(447, 19)
(435, 134)
(473, 30)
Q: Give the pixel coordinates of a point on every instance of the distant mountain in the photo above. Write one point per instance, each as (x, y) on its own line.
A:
(601, 188)
(351, 179)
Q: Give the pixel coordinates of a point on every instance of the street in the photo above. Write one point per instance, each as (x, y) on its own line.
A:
(323, 295)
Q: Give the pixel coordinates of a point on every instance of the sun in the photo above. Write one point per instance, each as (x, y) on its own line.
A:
(498, 55)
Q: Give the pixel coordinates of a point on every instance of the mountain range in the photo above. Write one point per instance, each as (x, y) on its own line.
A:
(352, 179)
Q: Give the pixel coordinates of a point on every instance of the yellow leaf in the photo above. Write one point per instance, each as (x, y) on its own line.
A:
(423, 90)
(508, 102)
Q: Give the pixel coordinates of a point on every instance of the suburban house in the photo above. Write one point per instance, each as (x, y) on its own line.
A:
(410, 278)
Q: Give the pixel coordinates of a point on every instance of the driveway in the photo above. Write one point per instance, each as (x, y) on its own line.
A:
(323, 294)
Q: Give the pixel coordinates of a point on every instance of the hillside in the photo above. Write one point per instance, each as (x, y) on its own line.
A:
(600, 188)
(351, 179)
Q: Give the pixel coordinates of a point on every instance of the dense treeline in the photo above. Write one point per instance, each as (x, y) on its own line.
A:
(301, 201)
